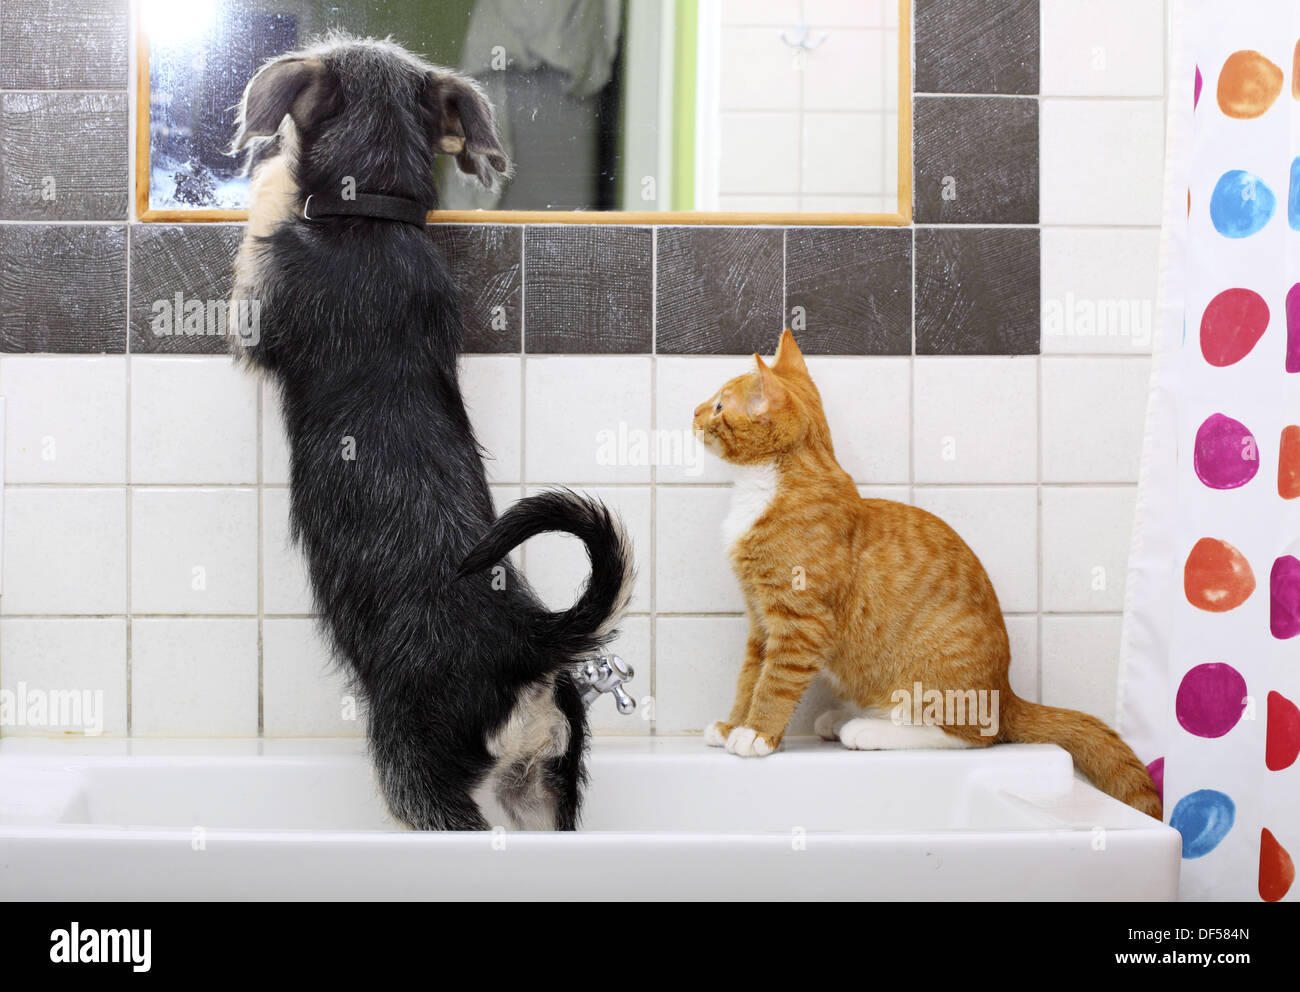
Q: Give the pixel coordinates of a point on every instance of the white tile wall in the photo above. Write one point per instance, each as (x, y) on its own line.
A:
(1090, 406)
(976, 420)
(194, 551)
(815, 127)
(64, 551)
(304, 693)
(1032, 460)
(275, 443)
(193, 420)
(1102, 48)
(194, 678)
(867, 407)
(1085, 664)
(285, 586)
(1101, 161)
(1101, 173)
(66, 418)
(600, 417)
(223, 551)
(490, 384)
(696, 663)
(692, 574)
(1086, 538)
(56, 657)
(1099, 289)
(757, 72)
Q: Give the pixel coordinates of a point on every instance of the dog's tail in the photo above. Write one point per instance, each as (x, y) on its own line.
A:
(1098, 751)
(591, 621)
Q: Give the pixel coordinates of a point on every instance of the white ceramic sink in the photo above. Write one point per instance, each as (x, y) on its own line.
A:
(666, 818)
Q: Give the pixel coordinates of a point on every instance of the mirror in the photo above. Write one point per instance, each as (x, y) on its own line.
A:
(621, 111)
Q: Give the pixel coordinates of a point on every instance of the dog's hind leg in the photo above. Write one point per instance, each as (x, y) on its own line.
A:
(425, 802)
(538, 777)
(567, 774)
(446, 812)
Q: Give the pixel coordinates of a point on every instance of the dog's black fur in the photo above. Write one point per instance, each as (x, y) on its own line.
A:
(361, 328)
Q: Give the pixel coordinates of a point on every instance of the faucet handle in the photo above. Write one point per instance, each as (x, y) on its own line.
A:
(607, 673)
(625, 703)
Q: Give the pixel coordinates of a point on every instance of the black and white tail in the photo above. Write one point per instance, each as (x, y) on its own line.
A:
(590, 622)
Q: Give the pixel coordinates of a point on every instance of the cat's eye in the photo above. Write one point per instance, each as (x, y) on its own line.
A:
(718, 407)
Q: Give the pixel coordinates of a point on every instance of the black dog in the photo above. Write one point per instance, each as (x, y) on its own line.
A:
(467, 676)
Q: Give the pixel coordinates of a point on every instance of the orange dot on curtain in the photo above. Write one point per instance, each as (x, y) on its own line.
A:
(1248, 84)
(1217, 577)
(1288, 463)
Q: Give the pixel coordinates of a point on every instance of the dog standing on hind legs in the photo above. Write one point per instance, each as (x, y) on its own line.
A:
(468, 678)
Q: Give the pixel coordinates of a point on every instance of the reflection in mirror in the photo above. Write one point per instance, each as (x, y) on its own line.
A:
(605, 105)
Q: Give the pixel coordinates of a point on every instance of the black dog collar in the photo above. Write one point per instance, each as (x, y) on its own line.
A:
(397, 208)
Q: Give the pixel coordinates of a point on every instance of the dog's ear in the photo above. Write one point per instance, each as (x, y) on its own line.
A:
(302, 88)
(461, 123)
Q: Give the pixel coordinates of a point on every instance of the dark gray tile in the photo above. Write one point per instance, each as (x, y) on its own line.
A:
(485, 261)
(977, 46)
(851, 288)
(588, 290)
(192, 260)
(977, 291)
(63, 156)
(976, 160)
(62, 288)
(719, 290)
(63, 44)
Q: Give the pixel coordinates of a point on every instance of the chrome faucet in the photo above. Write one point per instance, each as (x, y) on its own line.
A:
(607, 673)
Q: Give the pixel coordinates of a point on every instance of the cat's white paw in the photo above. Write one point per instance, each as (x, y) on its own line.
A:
(875, 734)
(713, 735)
(828, 725)
(866, 734)
(745, 742)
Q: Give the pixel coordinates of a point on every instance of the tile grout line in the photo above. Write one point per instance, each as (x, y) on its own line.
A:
(128, 501)
(261, 569)
(654, 475)
(715, 484)
(1038, 396)
(520, 469)
(637, 614)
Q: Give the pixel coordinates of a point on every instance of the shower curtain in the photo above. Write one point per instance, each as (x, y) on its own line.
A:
(1210, 666)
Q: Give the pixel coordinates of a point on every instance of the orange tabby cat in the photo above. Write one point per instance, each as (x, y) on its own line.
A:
(883, 597)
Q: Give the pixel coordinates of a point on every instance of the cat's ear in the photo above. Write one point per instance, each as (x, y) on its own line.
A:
(789, 359)
(771, 394)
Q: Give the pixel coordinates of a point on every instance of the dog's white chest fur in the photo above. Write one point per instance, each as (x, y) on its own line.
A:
(751, 495)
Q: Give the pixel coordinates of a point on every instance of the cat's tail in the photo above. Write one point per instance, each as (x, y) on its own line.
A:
(590, 622)
(1098, 751)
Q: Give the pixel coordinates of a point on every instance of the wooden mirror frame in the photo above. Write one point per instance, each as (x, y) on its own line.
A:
(901, 218)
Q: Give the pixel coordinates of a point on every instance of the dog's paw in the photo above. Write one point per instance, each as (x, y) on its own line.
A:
(745, 742)
(828, 725)
(716, 733)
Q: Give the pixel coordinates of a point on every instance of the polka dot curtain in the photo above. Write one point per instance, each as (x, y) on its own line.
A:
(1210, 678)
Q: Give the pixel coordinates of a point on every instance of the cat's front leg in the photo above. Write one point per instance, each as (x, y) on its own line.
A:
(716, 733)
(797, 647)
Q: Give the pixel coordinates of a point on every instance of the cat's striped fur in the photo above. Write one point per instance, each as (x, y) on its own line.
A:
(879, 595)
